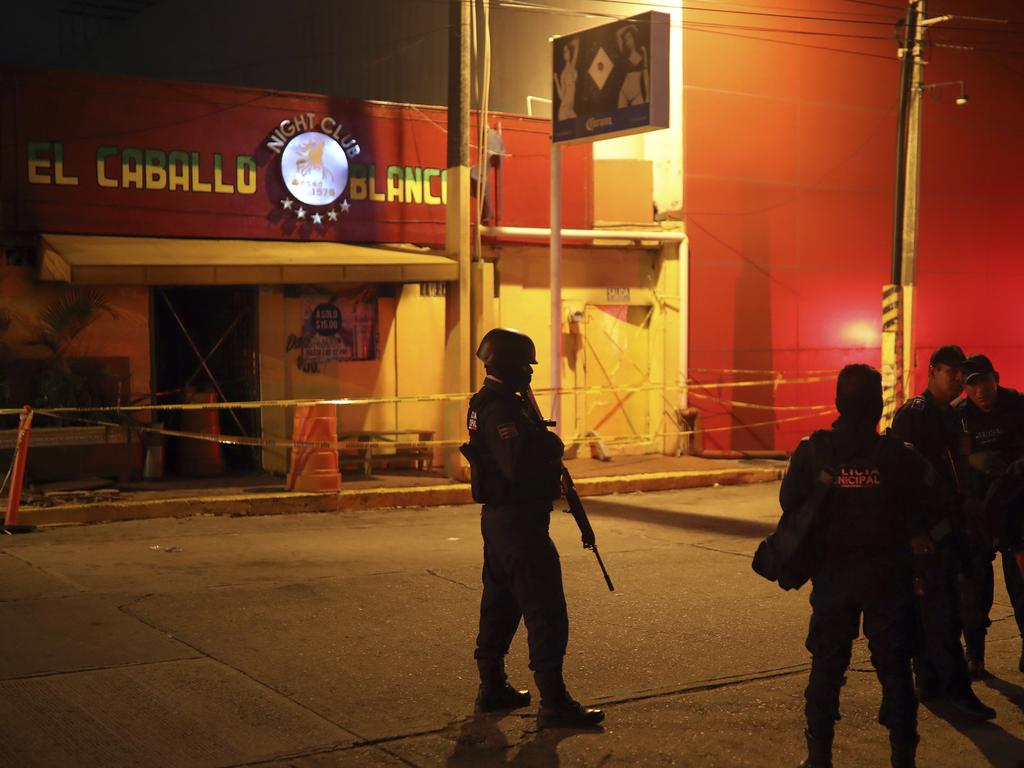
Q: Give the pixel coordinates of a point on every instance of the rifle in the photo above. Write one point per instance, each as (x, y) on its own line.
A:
(576, 509)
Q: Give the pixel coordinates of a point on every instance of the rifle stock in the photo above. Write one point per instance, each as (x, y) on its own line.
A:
(576, 509)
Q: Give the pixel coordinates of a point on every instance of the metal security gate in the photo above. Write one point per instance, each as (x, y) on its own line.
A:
(617, 362)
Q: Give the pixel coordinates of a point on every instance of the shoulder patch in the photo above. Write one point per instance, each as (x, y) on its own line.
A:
(508, 430)
(471, 421)
(917, 403)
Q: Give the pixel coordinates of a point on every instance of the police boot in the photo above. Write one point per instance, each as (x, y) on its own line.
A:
(819, 751)
(904, 749)
(967, 703)
(557, 708)
(976, 661)
(495, 693)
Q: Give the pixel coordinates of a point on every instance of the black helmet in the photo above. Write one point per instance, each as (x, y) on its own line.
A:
(507, 348)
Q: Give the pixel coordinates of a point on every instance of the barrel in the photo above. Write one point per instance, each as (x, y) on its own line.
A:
(200, 458)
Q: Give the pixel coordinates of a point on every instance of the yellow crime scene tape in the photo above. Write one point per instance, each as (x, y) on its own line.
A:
(761, 406)
(78, 414)
(273, 442)
(822, 371)
(357, 401)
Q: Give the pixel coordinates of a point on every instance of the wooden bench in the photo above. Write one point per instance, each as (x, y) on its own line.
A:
(362, 449)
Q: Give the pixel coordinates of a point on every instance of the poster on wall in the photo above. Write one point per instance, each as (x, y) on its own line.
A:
(336, 330)
(611, 80)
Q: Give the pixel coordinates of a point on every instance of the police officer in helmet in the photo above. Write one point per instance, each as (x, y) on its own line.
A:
(863, 539)
(516, 469)
(929, 424)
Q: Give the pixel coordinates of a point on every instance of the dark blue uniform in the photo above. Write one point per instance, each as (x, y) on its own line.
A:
(517, 475)
(993, 441)
(866, 524)
(935, 432)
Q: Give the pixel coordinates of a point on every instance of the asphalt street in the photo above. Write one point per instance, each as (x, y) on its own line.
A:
(346, 640)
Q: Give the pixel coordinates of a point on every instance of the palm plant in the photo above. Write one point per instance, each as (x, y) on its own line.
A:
(67, 316)
(55, 381)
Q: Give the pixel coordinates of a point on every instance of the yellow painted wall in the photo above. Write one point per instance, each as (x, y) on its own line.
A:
(412, 343)
(651, 275)
(125, 334)
(411, 329)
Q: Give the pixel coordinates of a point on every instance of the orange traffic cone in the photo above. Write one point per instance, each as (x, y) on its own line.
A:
(315, 469)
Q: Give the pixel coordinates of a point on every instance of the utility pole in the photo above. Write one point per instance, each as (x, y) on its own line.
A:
(912, 192)
(898, 296)
(893, 356)
(458, 353)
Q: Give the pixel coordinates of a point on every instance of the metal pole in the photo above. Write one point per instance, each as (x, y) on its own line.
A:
(556, 285)
(908, 271)
(901, 143)
(458, 306)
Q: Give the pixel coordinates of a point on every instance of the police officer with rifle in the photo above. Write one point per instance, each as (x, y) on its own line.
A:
(928, 423)
(516, 470)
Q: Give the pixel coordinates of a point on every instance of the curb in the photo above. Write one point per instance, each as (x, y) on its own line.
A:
(240, 504)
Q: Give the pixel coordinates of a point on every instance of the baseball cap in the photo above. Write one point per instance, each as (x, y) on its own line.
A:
(950, 355)
(976, 365)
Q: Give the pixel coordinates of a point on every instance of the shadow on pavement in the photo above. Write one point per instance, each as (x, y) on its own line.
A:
(1012, 693)
(999, 747)
(481, 743)
(693, 521)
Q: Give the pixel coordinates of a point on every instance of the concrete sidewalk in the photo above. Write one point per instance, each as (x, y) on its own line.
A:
(266, 495)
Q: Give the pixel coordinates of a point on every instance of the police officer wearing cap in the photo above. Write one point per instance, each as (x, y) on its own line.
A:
(875, 507)
(992, 417)
(516, 471)
(928, 423)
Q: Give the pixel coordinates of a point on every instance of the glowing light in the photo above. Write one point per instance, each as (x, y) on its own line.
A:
(862, 333)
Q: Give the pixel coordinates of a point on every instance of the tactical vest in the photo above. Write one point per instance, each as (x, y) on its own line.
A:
(859, 511)
(538, 476)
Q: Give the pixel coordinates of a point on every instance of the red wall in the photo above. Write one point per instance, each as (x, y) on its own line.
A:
(790, 161)
(84, 112)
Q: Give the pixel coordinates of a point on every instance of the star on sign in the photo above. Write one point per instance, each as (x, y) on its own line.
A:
(344, 206)
(317, 218)
(332, 215)
(301, 213)
(286, 204)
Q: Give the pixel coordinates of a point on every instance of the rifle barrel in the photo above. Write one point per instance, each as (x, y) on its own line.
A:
(604, 571)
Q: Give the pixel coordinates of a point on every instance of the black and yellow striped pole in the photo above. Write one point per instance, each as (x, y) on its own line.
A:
(892, 352)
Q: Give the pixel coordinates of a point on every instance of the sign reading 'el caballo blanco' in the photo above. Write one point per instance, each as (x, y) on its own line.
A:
(94, 154)
(314, 159)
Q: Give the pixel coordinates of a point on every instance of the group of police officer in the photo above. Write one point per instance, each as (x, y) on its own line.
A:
(908, 533)
(906, 538)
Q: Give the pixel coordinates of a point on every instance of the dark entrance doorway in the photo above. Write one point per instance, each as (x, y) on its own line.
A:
(217, 325)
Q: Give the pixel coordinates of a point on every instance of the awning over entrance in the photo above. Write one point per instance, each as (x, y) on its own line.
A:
(169, 261)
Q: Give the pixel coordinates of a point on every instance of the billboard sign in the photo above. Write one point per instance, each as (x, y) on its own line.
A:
(611, 80)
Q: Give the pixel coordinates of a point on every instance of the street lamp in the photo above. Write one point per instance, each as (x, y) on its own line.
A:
(960, 101)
